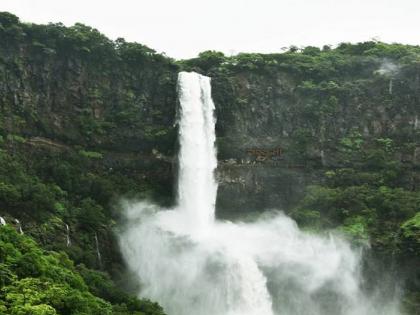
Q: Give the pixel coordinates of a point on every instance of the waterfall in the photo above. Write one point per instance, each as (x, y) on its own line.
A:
(19, 225)
(197, 157)
(68, 240)
(98, 252)
(2, 221)
(193, 264)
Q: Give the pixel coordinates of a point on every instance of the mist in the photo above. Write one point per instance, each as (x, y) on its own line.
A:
(192, 263)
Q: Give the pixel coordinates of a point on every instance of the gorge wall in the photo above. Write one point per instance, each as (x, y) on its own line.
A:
(309, 105)
(86, 120)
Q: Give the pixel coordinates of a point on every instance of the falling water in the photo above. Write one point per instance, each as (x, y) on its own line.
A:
(68, 240)
(98, 252)
(197, 158)
(2, 221)
(19, 225)
(193, 264)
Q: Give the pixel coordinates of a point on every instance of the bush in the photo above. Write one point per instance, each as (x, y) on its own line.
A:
(46, 283)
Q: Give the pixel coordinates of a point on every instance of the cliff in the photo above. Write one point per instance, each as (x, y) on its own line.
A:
(330, 136)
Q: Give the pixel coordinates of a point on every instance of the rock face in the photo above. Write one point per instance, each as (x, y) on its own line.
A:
(254, 187)
(308, 107)
(73, 87)
(98, 95)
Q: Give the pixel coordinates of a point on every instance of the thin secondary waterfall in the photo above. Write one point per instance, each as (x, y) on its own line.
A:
(98, 252)
(68, 240)
(193, 264)
(19, 226)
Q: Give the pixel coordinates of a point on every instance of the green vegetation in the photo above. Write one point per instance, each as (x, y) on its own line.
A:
(37, 282)
(370, 196)
(80, 118)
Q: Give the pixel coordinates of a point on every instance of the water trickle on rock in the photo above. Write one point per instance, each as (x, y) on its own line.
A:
(193, 264)
(98, 252)
(68, 240)
(19, 226)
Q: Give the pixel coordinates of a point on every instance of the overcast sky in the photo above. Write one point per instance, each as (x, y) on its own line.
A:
(183, 28)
